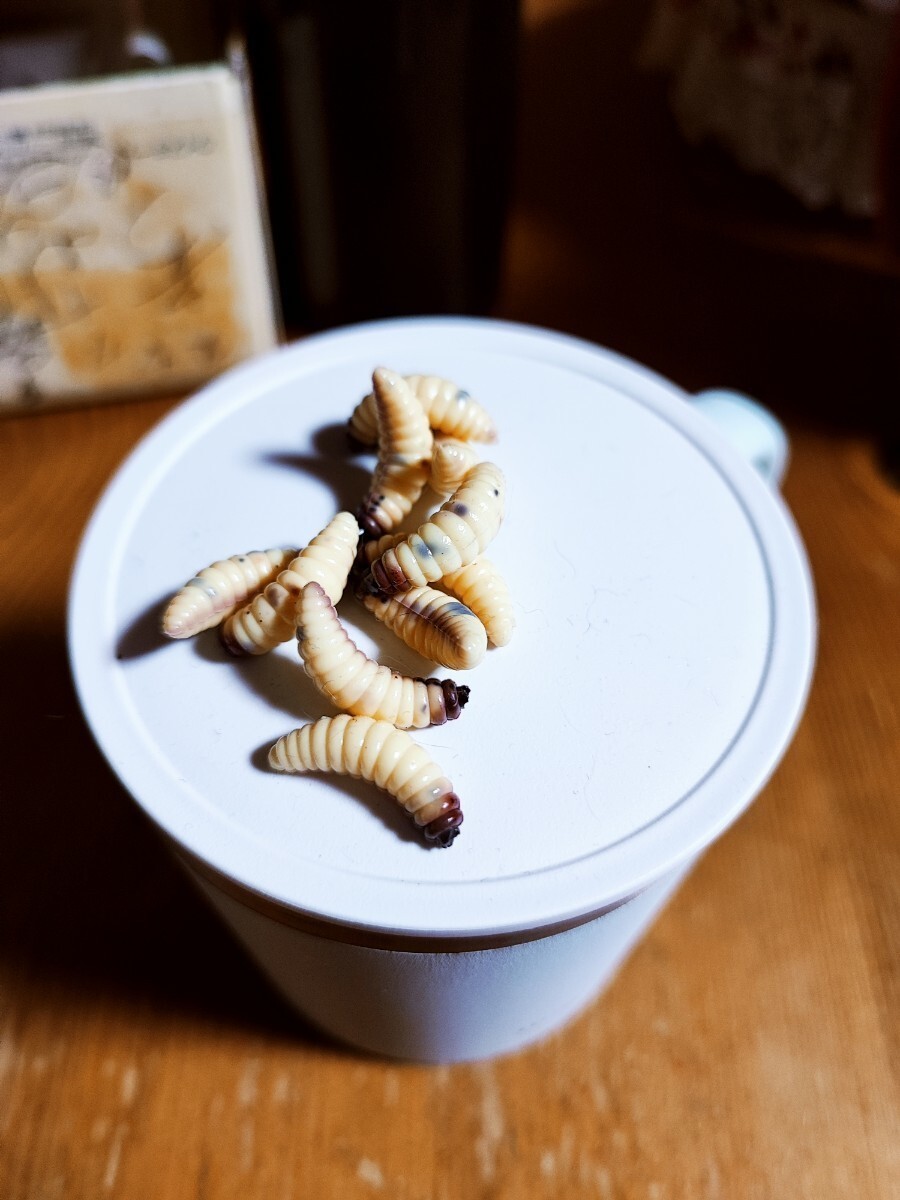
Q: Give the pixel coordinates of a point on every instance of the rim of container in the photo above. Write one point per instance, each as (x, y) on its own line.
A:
(532, 903)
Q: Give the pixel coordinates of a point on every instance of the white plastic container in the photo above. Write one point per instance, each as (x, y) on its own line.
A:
(660, 664)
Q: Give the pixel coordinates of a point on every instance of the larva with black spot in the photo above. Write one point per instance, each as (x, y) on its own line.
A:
(219, 589)
(449, 409)
(404, 450)
(435, 625)
(451, 461)
(451, 538)
(270, 618)
(360, 686)
(381, 754)
(482, 588)
(431, 623)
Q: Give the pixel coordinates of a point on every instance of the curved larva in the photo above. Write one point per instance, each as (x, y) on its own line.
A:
(435, 625)
(360, 686)
(451, 461)
(481, 587)
(456, 534)
(270, 619)
(215, 592)
(404, 450)
(375, 547)
(381, 754)
(449, 409)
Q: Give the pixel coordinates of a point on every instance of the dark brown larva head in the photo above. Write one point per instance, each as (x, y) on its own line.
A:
(455, 695)
(445, 827)
(388, 577)
(365, 585)
(368, 522)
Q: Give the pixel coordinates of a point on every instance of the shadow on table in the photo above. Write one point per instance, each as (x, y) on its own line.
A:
(93, 908)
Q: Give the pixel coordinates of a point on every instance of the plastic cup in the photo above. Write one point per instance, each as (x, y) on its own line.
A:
(660, 664)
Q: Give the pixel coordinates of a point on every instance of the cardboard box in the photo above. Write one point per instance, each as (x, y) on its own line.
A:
(133, 244)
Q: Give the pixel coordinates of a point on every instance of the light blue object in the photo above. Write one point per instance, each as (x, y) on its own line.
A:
(750, 428)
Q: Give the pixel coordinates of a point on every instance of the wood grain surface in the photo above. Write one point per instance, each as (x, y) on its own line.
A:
(748, 1049)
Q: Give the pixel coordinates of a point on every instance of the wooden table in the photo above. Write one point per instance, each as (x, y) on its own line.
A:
(748, 1050)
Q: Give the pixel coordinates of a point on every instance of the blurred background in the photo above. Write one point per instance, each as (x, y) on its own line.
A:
(712, 188)
(708, 187)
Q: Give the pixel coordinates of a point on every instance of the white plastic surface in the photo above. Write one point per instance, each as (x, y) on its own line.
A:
(661, 658)
(443, 1007)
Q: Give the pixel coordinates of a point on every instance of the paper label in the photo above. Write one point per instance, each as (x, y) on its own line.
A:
(132, 250)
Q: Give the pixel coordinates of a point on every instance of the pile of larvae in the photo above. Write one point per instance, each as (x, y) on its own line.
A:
(424, 427)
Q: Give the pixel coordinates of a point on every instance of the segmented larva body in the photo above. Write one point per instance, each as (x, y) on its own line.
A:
(381, 754)
(435, 625)
(374, 548)
(404, 450)
(451, 538)
(451, 461)
(270, 618)
(449, 409)
(215, 592)
(360, 686)
(482, 588)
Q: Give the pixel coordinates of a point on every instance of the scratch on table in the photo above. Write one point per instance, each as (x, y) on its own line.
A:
(115, 1157)
(391, 1088)
(604, 1182)
(281, 1088)
(130, 1079)
(248, 1085)
(370, 1172)
(599, 1094)
(492, 1127)
(100, 1130)
(712, 1180)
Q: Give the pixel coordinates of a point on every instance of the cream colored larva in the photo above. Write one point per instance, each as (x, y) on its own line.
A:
(381, 754)
(270, 618)
(450, 409)
(451, 461)
(435, 625)
(404, 451)
(360, 686)
(219, 589)
(482, 588)
(451, 538)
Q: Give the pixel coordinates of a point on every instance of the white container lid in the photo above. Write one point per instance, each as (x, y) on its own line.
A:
(660, 663)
